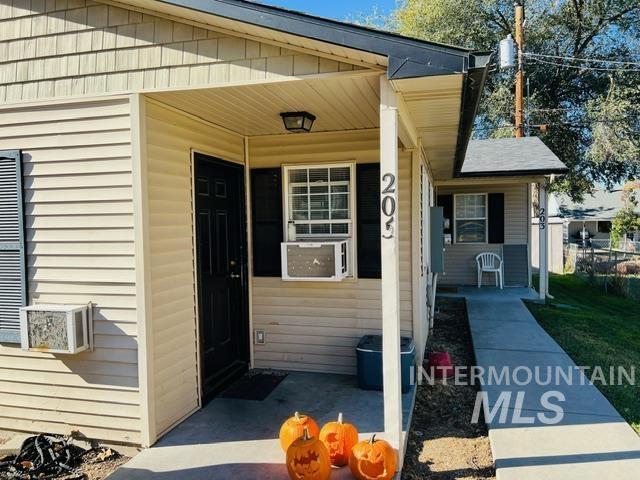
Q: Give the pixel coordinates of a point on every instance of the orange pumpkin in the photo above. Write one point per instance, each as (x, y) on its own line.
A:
(373, 460)
(293, 428)
(308, 459)
(339, 438)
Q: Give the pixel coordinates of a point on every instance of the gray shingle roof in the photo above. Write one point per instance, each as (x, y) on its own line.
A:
(599, 205)
(510, 156)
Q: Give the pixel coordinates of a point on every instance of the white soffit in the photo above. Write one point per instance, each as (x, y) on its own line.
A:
(434, 105)
(340, 103)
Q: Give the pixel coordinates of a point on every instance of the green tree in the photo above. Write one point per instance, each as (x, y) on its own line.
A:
(626, 221)
(592, 109)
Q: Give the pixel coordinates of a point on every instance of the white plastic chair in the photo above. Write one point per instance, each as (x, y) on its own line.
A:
(489, 262)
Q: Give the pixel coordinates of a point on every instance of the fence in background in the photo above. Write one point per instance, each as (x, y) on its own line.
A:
(616, 270)
(624, 245)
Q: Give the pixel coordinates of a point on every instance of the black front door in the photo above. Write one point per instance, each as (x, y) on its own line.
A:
(222, 272)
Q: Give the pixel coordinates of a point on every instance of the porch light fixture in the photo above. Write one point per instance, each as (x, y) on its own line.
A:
(298, 122)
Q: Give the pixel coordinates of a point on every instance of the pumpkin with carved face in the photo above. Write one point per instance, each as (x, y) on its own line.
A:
(373, 460)
(293, 428)
(308, 459)
(339, 438)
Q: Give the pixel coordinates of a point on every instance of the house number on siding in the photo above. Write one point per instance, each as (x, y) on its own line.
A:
(388, 204)
(542, 218)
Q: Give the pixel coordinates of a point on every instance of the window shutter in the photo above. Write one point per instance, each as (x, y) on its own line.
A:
(13, 283)
(266, 214)
(446, 202)
(368, 218)
(495, 217)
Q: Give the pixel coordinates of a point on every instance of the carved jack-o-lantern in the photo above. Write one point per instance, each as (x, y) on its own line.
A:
(308, 459)
(339, 438)
(293, 428)
(373, 460)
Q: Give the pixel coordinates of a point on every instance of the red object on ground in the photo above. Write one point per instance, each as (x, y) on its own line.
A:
(441, 364)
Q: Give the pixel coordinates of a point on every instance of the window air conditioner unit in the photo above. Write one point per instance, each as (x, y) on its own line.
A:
(54, 328)
(316, 260)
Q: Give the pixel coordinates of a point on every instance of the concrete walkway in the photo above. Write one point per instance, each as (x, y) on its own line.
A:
(238, 439)
(592, 441)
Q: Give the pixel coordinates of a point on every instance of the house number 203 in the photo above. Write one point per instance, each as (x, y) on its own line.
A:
(542, 218)
(388, 204)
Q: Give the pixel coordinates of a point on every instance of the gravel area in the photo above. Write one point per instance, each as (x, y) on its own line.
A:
(443, 443)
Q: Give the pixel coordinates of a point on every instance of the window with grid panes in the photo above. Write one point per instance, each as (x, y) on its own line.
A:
(318, 201)
(470, 211)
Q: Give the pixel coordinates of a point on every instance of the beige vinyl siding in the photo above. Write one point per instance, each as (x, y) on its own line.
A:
(284, 39)
(79, 220)
(315, 326)
(459, 259)
(72, 48)
(555, 245)
(170, 138)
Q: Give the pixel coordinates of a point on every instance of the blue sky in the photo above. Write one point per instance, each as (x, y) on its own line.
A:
(338, 9)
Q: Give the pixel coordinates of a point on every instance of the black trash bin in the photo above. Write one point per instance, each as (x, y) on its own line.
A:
(369, 357)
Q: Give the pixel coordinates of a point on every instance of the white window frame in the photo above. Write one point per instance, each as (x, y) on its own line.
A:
(485, 218)
(351, 222)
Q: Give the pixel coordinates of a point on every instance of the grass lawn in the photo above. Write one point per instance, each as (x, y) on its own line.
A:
(602, 330)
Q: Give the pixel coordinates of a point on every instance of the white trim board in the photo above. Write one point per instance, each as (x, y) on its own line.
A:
(143, 270)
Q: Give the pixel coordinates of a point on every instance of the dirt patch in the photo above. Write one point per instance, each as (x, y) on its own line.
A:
(94, 469)
(443, 443)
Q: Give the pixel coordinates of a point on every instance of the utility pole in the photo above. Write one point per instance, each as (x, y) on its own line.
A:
(519, 6)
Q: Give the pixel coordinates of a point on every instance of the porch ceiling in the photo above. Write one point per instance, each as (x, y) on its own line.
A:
(343, 103)
(350, 101)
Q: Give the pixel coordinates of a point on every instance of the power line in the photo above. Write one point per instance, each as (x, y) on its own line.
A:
(596, 60)
(583, 67)
(565, 124)
(497, 127)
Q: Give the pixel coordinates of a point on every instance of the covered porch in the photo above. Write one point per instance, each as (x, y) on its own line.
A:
(489, 208)
(219, 160)
(232, 438)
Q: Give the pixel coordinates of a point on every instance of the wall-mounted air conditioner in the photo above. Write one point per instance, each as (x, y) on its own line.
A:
(55, 328)
(316, 260)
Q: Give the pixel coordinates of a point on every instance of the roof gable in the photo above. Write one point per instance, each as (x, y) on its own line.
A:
(405, 57)
(86, 48)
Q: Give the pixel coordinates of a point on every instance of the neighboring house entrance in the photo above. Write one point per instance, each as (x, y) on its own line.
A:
(222, 272)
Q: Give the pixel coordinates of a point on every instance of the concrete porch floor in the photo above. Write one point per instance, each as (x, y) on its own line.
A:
(238, 439)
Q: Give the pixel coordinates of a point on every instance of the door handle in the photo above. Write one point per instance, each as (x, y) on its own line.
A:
(235, 275)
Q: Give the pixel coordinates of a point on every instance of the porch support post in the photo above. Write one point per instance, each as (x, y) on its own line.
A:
(543, 231)
(390, 264)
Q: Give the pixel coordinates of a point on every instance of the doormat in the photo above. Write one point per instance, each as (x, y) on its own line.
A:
(447, 289)
(253, 386)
